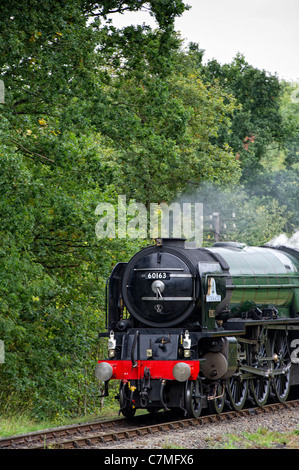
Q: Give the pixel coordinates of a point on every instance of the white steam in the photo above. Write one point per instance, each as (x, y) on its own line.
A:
(284, 240)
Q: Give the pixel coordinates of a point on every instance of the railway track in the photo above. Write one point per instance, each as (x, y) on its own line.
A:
(45, 437)
(100, 432)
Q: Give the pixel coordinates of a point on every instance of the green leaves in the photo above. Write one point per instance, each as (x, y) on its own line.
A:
(165, 129)
(257, 121)
(62, 135)
(92, 112)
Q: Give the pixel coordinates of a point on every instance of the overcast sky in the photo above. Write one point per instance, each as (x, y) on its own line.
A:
(266, 32)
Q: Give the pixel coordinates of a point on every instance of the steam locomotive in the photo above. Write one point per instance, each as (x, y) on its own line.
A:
(202, 328)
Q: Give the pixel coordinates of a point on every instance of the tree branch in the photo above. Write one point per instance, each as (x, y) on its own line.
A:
(21, 147)
(58, 266)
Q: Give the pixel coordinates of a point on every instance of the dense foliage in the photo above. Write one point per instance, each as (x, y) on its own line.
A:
(91, 112)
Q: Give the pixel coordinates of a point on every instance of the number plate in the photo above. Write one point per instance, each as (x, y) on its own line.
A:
(156, 275)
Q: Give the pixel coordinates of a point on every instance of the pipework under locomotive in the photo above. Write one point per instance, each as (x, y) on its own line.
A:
(205, 327)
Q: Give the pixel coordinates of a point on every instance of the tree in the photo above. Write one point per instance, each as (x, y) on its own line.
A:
(164, 130)
(290, 113)
(257, 121)
(55, 167)
(278, 178)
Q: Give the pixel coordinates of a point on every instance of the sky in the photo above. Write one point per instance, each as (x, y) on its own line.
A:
(266, 32)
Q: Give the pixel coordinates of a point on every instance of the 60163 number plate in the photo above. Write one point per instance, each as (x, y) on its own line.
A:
(156, 275)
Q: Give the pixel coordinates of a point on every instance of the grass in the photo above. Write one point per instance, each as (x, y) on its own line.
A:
(19, 424)
(261, 439)
(22, 423)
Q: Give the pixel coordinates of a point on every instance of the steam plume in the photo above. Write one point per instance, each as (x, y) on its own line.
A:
(284, 240)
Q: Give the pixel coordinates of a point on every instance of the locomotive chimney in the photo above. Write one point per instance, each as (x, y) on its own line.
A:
(174, 242)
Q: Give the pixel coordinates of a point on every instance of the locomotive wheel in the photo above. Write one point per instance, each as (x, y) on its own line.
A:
(193, 398)
(125, 406)
(236, 386)
(282, 382)
(217, 404)
(260, 386)
(237, 390)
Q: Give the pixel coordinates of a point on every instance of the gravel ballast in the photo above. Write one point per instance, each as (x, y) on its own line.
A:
(215, 435)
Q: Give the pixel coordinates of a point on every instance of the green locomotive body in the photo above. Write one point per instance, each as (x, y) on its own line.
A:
(191, 328)
(261, 281)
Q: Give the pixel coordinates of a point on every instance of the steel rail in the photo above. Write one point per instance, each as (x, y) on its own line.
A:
(95, 434)
(47, 435)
